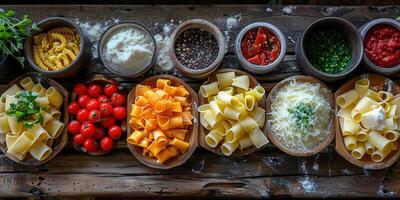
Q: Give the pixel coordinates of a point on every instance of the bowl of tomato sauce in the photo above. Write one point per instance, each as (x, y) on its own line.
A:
(260, 47)
(381, 39)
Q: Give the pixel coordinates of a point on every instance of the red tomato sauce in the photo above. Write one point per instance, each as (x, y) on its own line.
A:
(382, 45)
(260, 46)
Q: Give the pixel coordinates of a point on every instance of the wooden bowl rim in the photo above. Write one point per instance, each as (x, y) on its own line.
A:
(276, 142)
(63, 138)
(181, 159)
(96, 78)
(202, 130)
(339, 146)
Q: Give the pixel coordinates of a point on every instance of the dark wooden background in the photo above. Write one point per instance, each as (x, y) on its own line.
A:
(267, 173)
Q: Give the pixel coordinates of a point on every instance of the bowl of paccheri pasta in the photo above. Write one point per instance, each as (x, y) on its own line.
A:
(162, 122)
(300, 116)
(32, 119)
(232, 113)
(58, 49)
(367, 121)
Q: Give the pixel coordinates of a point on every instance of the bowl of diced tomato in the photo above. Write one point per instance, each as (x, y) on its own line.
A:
(260, 47)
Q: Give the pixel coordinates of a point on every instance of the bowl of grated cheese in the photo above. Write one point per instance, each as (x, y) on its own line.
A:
(300, 116)
(127, 49)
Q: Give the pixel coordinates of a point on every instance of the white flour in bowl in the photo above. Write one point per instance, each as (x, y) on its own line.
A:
(129, 48)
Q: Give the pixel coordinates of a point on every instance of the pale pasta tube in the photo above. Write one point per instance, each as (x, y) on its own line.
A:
(234, 133)
(378, 141)
(359, 151)
(392, 112)
(385, 96)
(346, 112)
(385, 105)
(54, 96)
(40, 151)
(13, 90)
(230, 113)
(56, 114)
(369, 148)
(209, 89)
(362, 136)
(248, 124)
(240, 97)
(242, 82)
(258, 138)
(249, 102)
(372, 95)
(203, 121)
(390, 124)
(43, 101)
(245, 142)
(350, 142)
(395, 100)
(392, 135)
(39, 132)
(393, 145)
(227, 99)
(46, 117)
(4, 126)
(22, 144)
(54, 128)
(378, 155)
(347, 98)
(39, 89)
(15, 126)
(362, 86)
(228, 148)
(212, 139)
(350, 127)
(27, 83)
(2, 104)
(228, 90)
(258, 114)
(257, 92)
(219, 115)
(225, 79)
(365, 104)
(10, 139)
(204, 108)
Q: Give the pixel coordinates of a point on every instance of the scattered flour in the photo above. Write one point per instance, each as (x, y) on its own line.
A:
(268, 10)
(308, 185)
(288, 10)
(382, 192)
(164, 62)
(303, 166)
(327, 11)
(315, 164)
(231, 22)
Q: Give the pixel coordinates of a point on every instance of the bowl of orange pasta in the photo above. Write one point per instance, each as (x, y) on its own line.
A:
(32, 119)
(58, 49)
(232, 114)
(162, 122)
(368, 121)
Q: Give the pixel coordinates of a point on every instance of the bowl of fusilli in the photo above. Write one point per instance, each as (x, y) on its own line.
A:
(58, 49)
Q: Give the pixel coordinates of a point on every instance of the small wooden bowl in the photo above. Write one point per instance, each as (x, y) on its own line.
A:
(276, 141)
(61, 141)
(176, 161)
(203, 131)
(377, 82)
(102, 81)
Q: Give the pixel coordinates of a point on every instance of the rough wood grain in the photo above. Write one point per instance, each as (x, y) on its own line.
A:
(266, 173)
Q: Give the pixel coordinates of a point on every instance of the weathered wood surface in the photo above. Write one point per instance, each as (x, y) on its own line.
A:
(267, 173)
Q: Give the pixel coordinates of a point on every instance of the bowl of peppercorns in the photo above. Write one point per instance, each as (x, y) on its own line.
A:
(260, 47)
(197, 48)
(381, 46)
(331, 48)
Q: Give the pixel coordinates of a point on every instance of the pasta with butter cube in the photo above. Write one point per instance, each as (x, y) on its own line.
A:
(369, 125)
(28, 121)
(233, 117)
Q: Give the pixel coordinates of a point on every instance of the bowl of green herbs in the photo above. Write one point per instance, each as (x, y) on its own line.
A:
(331, 48)
(13, 32)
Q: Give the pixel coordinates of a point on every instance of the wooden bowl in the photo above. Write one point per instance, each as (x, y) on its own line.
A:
(61, 141)
(102, 81)
(204, 25)
(203, 131)
(275, 140)
(193, 129)
(376, 82)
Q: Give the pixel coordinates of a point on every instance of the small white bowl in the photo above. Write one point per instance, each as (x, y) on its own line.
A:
(258, 69)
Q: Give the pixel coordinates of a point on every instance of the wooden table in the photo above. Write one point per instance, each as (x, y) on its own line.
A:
(266, 173)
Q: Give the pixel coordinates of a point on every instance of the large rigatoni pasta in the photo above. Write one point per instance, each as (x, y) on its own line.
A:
(233, 116)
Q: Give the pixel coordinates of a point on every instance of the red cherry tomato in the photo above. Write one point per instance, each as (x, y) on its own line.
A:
(79, 139)
(94, 90)
(119, 113)
(88, 129)
(82, 100)
(106, 109)
(74, 127)
(100, 133)
(117, 99)
(90, 145)
(103, 98)
(115, 132)
(74, 107)
(106, 143)
(92, 104)
(108, 122)
(110, 89)
(82, 115)
(80, 89)
(94, 116)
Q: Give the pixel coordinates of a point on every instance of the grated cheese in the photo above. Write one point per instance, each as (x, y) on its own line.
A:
(283, 123)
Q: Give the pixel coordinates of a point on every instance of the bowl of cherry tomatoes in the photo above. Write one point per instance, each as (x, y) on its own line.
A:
(97, 115)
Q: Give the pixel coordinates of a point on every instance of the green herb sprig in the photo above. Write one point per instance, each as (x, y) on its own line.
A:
(12, 33)
(304, 115)
(27, 110)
